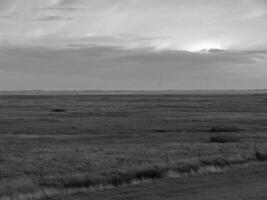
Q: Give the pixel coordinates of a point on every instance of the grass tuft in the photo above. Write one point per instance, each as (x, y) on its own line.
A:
(261, 156)
(58, 186)
(224, 128)
(224, 139)
(58, 110)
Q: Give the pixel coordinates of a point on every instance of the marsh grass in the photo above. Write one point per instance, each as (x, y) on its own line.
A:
(224, 139)
(54, 169)
(224, 128)
(17, 185)
(260, 156)
(58, 185)
(58, 110)
(110, 141)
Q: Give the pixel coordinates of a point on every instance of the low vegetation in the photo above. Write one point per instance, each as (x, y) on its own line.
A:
(56, 186)
(110, 141)
(224, 139)
(58, 110)
(224, 128)
(261, 156)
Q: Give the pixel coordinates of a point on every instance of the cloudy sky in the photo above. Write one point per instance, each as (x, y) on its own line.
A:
(133, 44)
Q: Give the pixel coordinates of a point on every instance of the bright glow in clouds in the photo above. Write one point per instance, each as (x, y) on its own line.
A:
(206, 46)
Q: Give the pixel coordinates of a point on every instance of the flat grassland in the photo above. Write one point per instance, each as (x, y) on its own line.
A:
(76, 146)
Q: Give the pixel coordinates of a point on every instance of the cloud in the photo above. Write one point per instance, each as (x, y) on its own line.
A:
(66, 2)
(68, 9)
(9, 15)
(53, 18)
(176, 25)
(142, 68)
(4, 4)
(5, 17)
(135, 43)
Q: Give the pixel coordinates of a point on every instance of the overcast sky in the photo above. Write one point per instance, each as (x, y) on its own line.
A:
(133, 44)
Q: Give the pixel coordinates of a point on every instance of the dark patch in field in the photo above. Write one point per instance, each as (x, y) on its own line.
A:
(47, 120)
(160, 130)
(224, 139)
(261, 156)
(224, 128)
(58, 110)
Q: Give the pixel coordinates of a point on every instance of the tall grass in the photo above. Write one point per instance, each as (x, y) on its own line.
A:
(224, 128)
(260, 156)
(224, 139)
(58, 185)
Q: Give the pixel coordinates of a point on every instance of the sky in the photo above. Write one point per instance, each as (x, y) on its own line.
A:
(133, 44)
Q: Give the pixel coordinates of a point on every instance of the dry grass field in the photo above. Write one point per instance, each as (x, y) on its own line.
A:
(100, 146)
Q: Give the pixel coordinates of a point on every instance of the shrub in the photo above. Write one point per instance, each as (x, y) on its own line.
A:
(160, 131)
(223, 128)
(261, 156)
(224, 139)
(58, 110)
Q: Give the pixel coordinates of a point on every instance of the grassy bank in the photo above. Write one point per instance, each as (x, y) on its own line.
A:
(50, 187)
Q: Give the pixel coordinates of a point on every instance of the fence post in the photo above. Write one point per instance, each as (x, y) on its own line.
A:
(199, 154)
(255, 147)
(41, 174)
(166, 158)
